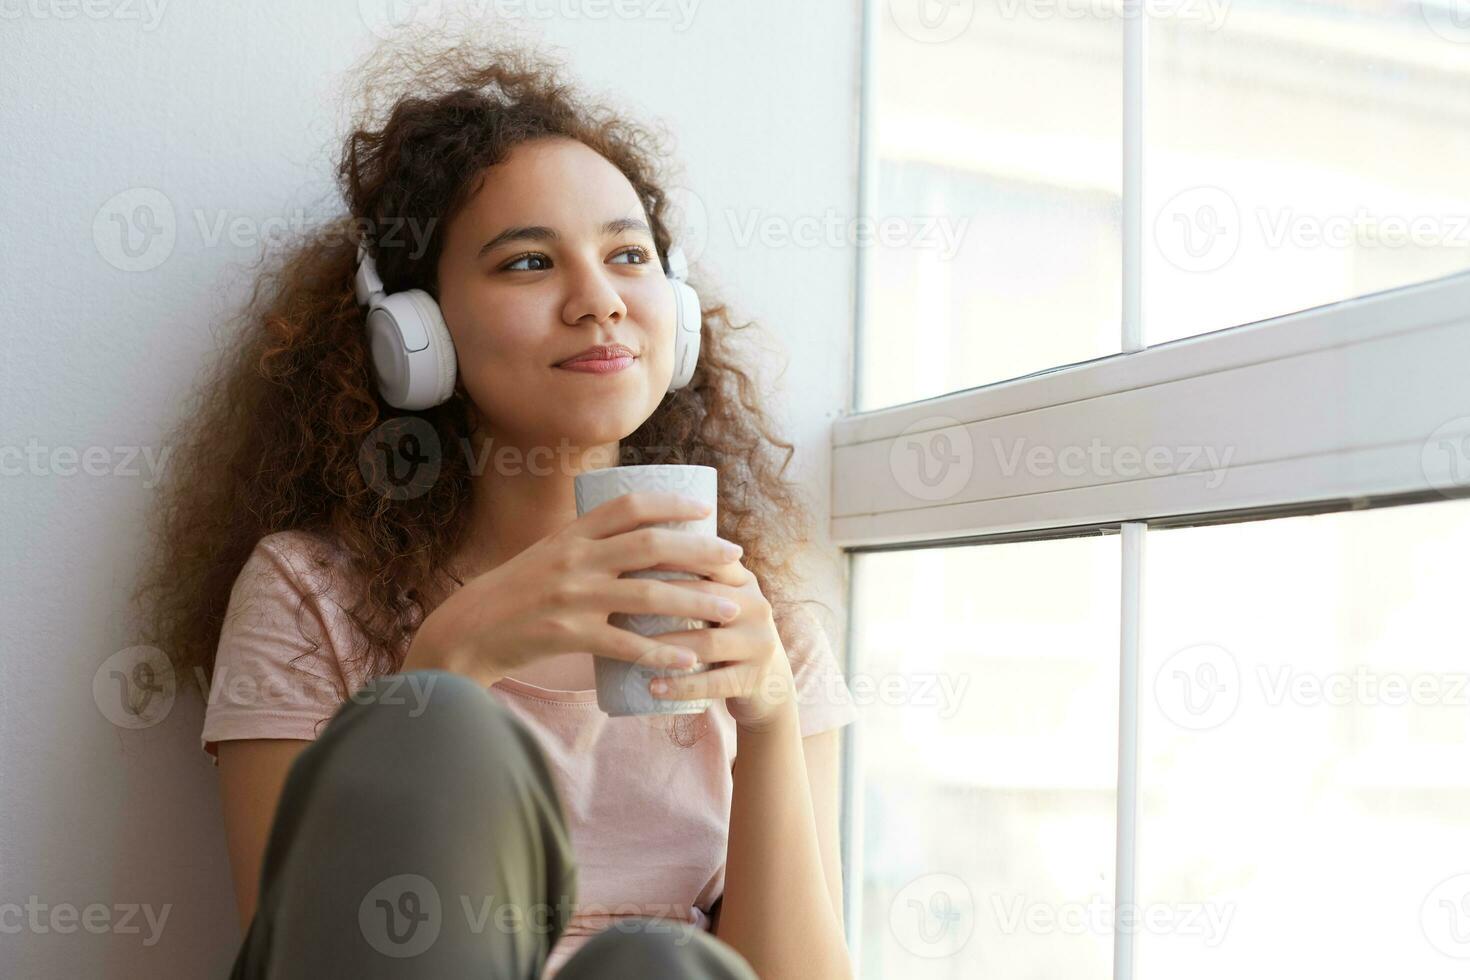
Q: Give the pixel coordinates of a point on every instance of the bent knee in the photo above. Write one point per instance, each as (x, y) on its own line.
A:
(646, 946)
(436, 706)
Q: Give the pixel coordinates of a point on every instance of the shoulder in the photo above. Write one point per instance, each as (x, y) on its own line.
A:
(803, 632)
(278, 670)
(822, 696)
(306, 554)
(291, 586)
(292, 561)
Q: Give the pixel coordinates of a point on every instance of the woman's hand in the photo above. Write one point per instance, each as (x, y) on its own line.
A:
(557, 595)
(748, 662)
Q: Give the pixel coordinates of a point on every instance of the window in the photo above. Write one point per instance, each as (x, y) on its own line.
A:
(1300, 153)
(1077, 473)
(993, 188)
(988, 689)
(1304, 734)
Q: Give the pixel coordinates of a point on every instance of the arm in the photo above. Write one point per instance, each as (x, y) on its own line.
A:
(781, 908)
(824, 775)
(252, 775)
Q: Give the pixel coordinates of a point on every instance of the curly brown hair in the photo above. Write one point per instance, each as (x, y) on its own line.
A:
(271, 439)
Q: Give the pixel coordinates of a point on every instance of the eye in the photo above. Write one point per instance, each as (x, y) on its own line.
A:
(526, 257)
(638, 250)
(514, 264)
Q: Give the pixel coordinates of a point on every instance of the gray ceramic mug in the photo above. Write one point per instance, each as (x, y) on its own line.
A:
(622, 686)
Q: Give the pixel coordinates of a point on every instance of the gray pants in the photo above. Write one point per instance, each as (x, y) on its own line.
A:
(421, 836)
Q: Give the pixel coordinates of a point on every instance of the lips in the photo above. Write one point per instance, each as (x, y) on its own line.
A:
(599, 353)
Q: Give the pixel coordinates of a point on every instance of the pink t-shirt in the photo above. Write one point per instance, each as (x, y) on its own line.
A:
(632, 788)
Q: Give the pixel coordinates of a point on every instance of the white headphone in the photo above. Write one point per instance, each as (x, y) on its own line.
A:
(413, 356)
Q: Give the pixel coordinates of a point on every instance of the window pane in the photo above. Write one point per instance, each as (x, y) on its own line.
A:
(1301, 153)
(987, 683)
(996, 138)
(1305, 748)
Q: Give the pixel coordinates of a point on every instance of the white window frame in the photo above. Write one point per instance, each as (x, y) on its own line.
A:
(1337, 407)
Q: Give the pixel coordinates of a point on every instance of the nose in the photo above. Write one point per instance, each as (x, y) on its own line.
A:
(592, 294)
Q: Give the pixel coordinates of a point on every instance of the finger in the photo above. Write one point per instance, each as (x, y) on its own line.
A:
(645, 651)
(727, 574)
(656, 597)
(718, 682)
(708, 587)
(666, 548)
(633, 510)
(709, 645)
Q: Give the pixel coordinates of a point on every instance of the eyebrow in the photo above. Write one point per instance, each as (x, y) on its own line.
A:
(541, 233)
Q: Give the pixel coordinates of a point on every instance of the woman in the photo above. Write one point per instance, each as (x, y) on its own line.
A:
(397, 650)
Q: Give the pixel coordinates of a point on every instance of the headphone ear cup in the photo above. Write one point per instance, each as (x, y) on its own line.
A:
(688, 321)
(412, 353)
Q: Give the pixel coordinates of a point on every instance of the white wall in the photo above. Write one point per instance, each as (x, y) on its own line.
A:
(223, 110)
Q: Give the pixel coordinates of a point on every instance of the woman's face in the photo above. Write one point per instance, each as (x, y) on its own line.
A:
(552, 255)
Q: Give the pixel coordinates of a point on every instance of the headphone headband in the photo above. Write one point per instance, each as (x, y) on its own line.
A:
(675, 265)
(366, 284)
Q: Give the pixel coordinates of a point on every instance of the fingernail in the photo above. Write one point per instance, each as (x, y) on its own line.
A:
(733, 551)
(678, 657)
(728, 608)
(658, 686)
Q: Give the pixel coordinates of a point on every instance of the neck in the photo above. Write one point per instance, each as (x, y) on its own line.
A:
(520, 495)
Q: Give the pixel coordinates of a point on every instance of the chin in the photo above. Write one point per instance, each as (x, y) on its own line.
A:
(600, 426)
